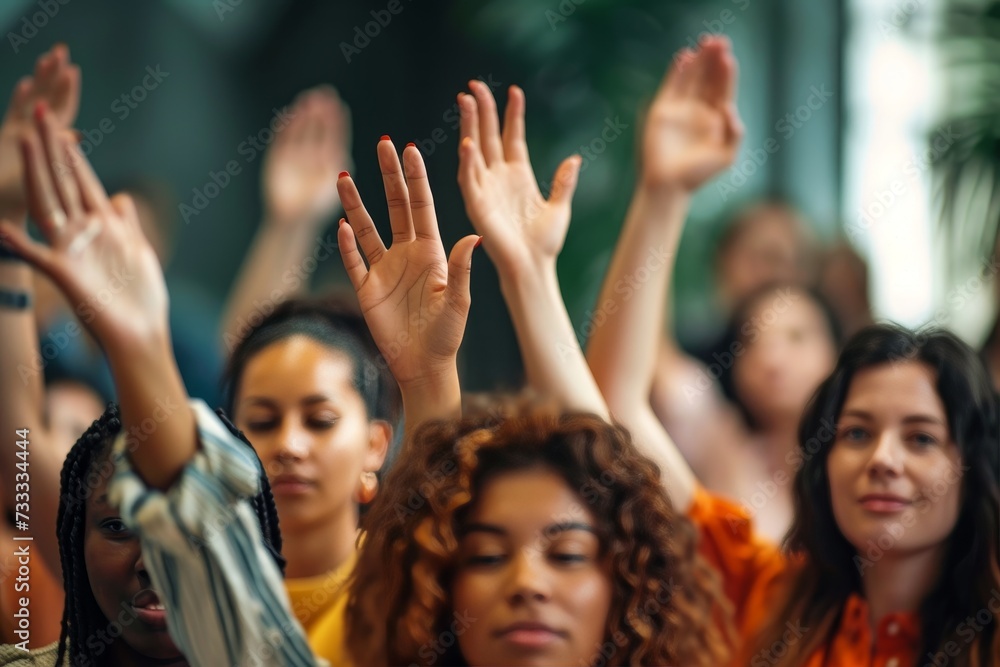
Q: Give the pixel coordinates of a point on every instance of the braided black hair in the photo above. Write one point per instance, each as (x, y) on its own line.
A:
(87, 465)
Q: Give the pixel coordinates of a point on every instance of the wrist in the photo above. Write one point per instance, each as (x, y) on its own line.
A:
(286, 224)
(137, 348)
(439, 380)
(437, 395)
(528, 276)
(660, 192)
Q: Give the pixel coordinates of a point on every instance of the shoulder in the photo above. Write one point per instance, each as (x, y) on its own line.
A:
(12, 656)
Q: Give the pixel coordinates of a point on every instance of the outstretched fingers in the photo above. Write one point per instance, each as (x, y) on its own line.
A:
(425, 224)
(361, 225)
(565, 180)
(515, 147)
(397, 195)
(458, 295)
(17, 239)
(489, 122)
(61, 167)
(353, 264)
(43, 203)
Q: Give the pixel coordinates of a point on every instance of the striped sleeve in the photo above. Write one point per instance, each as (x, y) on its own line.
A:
(202, 545)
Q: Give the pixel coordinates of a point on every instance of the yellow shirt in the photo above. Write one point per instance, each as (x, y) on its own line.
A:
(319, 603)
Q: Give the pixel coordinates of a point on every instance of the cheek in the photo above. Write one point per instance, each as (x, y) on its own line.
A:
(589, 598)
(342, 451)
(746, 370)
(942, 491)
(109, 569)
(842, 471)
(475, 595)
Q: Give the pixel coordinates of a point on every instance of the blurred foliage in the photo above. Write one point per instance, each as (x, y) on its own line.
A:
(967, 173)
(588, 65)
(584, 64)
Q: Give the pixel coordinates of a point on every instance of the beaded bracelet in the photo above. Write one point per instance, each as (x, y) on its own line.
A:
(14, 300)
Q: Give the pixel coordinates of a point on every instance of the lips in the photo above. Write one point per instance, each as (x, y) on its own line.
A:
(290, 484)
(884, 503)
(529, 635)
(147, 608)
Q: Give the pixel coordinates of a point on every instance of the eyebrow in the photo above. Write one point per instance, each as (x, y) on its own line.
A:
(312, 399)
(550, 529)
(909, 419)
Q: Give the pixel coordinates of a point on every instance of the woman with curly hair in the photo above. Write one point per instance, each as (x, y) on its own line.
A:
(544, 539)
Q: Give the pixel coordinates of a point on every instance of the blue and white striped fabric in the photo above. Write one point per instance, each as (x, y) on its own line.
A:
(202, 545)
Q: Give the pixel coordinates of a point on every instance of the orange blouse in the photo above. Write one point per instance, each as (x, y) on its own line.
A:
(753, 572)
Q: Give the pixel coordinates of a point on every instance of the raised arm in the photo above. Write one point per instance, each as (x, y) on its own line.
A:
(56, 83)
(523, 233)
(692, 133)
(414, 298)
(299, 182)
(99, 258)
(201, 534)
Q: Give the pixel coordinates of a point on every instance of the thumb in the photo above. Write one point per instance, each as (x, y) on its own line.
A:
(16, 239)
(458, 294)
(734, 127)
(564, 183)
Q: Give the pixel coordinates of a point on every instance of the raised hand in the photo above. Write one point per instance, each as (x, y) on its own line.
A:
(96, 252)
(693, 130)
(56, 82)
(520, 227)
(414, 299)
(301, 166)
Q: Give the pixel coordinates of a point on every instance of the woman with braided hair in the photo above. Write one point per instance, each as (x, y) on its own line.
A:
(113, 616)
(200, 556)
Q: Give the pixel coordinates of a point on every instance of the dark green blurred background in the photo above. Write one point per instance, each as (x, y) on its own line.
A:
(582, 66)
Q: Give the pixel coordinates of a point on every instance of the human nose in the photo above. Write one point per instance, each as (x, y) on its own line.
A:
(887, 457)
(529, 578)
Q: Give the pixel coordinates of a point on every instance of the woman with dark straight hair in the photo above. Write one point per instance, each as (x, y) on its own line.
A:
(892, 559)
(900, 503)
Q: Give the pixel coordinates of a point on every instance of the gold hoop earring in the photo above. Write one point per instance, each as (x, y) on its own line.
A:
(368, 488)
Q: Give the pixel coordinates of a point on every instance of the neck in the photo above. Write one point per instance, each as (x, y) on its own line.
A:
(897, 584)
(125, 656)
(317, 548)
(777, 439)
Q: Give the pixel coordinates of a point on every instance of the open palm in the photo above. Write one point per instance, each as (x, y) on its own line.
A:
(414, 299)
(519, 226)
(56, 82)
(301, 166)
(96, 252)
(692, 130)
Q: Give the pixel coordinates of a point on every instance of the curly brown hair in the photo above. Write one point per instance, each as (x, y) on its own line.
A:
(667, 603)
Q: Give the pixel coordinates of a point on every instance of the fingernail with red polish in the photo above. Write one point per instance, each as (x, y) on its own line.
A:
(40, 109)
(385, 137)
(411, 144)
(479, 242)
(343, 174)
(341, 223)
